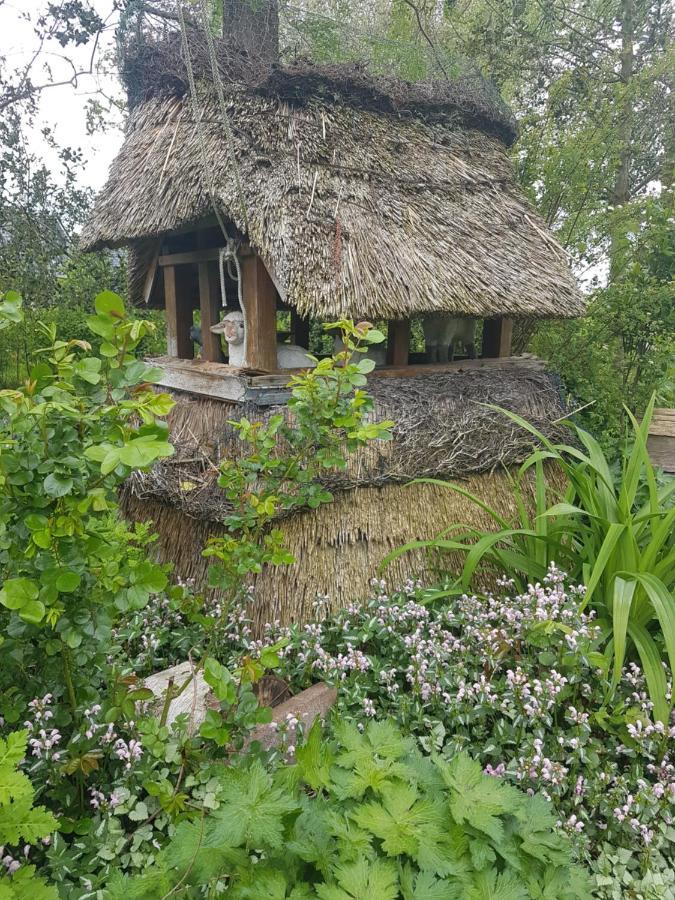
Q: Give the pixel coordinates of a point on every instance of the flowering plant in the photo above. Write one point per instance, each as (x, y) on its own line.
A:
(517, 680)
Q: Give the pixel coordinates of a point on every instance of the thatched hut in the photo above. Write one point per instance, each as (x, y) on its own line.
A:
(343, 195)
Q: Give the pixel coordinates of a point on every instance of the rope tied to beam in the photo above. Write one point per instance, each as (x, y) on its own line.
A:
(228, 256)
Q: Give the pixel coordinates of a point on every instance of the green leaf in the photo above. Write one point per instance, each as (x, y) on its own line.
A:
(67, 581)
(17, 592)
(57, 485)
(476, 798)
(107, 303)
(621, 606)
(33, 612)
(492, 885)
(362, 880)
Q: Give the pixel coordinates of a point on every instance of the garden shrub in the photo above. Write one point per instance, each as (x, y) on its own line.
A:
(68, 439)
(366, 815)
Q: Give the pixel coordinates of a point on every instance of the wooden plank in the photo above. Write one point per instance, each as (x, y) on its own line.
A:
(514, 362)
(497, 334)
(210, 309)
(398, 342)
(151, 275)
(299, 330)
(260, 305)
(220, 388)
(178, 316)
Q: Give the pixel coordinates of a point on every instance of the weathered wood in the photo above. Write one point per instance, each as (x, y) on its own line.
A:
(398, 342)
(210, 254)
(497, 334)
(151, 275)
(299, 330)
(210, 308)
(260, 305)
(661, 439)
(178, 305)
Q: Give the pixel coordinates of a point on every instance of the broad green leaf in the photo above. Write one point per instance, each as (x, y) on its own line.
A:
(17, 592)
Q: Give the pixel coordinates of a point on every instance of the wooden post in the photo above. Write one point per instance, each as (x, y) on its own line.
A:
(299, 330)
(398, 342)
(497, 337)
(178, 314)
(260, 303)
(209, 308)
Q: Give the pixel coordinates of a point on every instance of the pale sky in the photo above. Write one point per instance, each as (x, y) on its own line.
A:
(64, 107)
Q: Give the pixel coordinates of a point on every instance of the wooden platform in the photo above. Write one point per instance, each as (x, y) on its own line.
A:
(223, 382)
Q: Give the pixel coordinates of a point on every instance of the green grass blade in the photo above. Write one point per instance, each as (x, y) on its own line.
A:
(621, 605)
(614, 532)
(652, 668)
(664, 608)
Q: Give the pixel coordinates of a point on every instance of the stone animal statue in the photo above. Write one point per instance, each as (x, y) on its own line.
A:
(289, 356)
(442, 333)
(377, 354)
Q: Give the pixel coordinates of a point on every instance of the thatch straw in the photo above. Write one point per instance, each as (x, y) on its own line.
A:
(443, 428)
(339, 547)
(357, 209)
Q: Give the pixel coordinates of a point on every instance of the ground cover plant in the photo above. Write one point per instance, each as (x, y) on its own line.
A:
(517, 680)
(376, 818)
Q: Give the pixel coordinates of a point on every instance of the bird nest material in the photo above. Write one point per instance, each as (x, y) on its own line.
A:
(152, 67)
(443, 429)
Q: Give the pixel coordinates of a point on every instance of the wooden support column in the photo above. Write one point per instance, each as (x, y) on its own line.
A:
(178, 304)
(497, 335)
(260, 303)
(209, 309)
(299, 330)
(398, 342)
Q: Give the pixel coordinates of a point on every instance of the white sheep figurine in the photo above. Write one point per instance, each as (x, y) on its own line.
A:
(442, 333)
(289, 356)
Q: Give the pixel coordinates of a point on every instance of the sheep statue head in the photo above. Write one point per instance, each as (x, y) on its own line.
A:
(232, 327)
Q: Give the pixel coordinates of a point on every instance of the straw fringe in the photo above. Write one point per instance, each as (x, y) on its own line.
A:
(339, 547)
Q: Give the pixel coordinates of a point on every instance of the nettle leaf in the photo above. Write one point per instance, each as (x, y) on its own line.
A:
(402, 821)
(493, 886)
(377, 880)
(476, 798)
(371, 760)
(312, 839)
(314, 758)
(253, 809)
(425, 886)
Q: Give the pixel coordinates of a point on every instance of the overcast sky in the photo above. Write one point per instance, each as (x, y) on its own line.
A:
(64, 107)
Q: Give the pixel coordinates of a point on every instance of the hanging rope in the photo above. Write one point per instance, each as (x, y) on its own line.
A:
(228, 254)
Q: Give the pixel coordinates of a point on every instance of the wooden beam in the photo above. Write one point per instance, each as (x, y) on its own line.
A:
(260, 305)
(398, 342)
(497, 334)
(299, 330)
(211, 254)
(209, 308)
(178, 315)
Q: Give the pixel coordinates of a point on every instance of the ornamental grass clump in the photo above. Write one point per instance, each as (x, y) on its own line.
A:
(613, 531)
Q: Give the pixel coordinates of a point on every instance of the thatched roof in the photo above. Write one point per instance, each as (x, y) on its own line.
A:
(364, 197)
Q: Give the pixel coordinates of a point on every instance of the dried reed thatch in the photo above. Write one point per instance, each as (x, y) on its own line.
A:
(364, 196)
(443, 429)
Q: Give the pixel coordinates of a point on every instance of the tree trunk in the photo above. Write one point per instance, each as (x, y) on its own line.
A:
(252, 27)
(624, 131)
